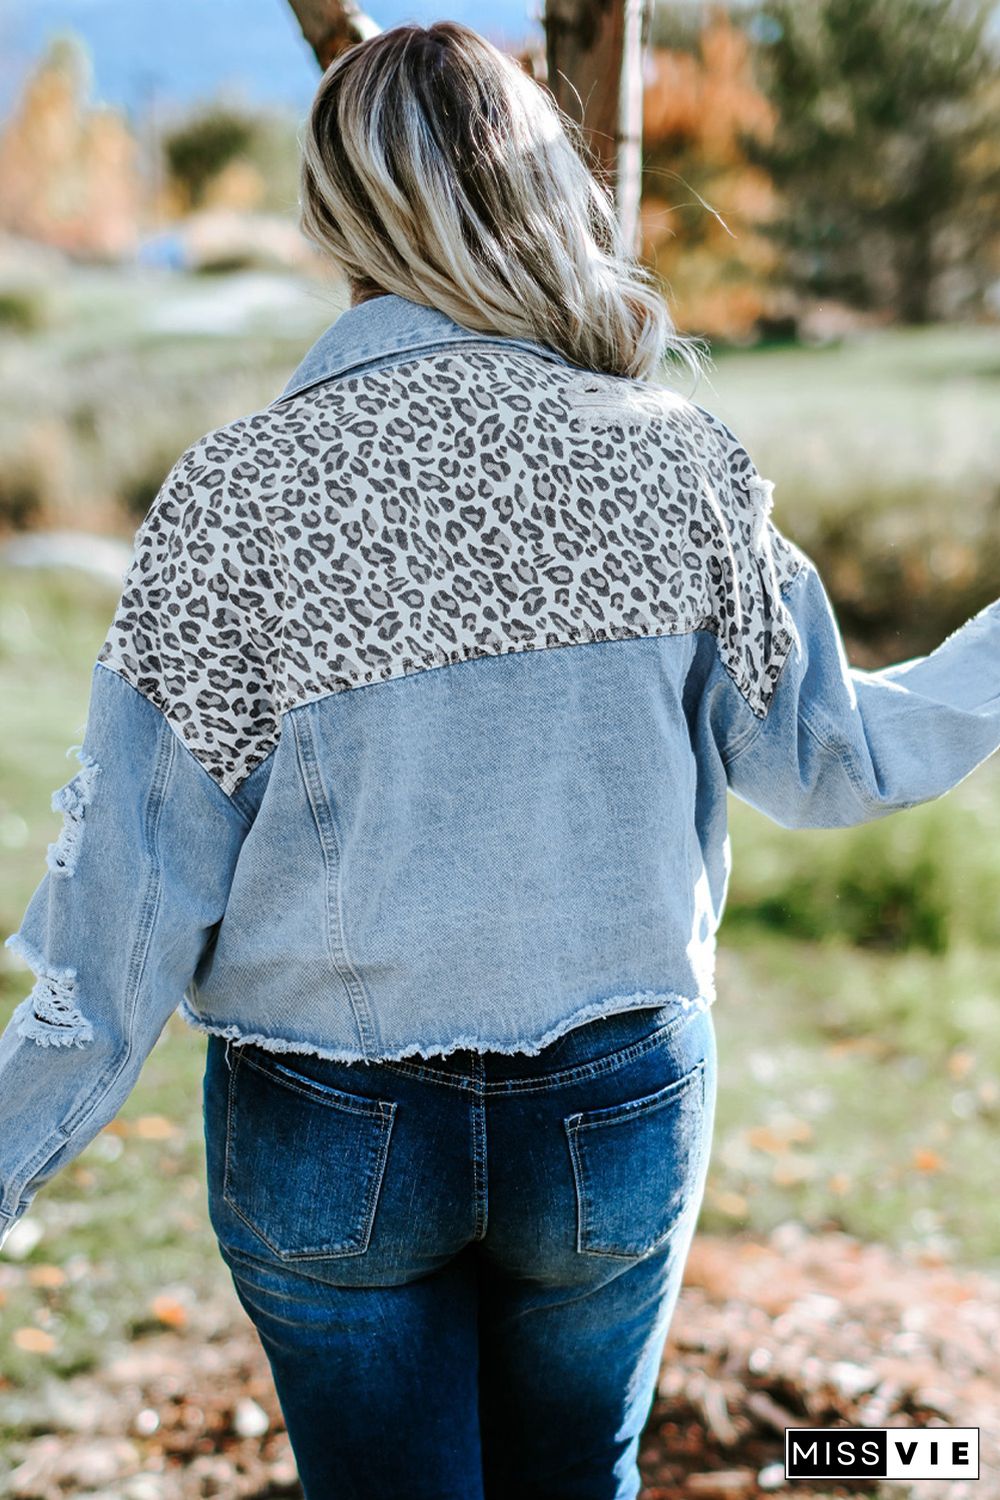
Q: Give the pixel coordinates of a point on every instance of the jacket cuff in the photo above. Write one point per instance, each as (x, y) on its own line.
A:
(7, 1222)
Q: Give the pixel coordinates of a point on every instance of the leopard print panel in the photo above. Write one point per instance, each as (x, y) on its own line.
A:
(454, 505)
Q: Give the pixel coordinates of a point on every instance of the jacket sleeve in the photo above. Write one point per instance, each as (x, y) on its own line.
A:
(152, 826)
(825, 744)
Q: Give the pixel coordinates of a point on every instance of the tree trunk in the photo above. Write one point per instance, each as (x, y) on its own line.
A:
(331, 26)
(594, 53)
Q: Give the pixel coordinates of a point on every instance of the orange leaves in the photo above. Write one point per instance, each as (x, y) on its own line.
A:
(33, 1340)
(46, 1276)
(779, 1136)
(144, 1128)
(168, 1311)
(154, 1128)
(711, 100)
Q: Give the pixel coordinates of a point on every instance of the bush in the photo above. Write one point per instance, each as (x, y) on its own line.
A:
(198, 150)
(923, 879)
(21, 501)
(22, 309)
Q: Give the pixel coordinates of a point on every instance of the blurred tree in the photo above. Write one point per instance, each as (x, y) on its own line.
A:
(703, 201)
(198, 150)
(887, 151)
(68, 170)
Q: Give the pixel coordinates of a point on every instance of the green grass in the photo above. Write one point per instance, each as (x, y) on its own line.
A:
(98, 402)
(858, 1091)
(905, 407)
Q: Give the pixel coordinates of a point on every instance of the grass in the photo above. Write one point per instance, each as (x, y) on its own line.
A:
(905, 407)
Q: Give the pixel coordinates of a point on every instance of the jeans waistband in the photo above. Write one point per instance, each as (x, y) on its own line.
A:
(581, 1044)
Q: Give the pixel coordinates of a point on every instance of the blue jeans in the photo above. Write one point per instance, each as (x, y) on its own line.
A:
(463, 1269)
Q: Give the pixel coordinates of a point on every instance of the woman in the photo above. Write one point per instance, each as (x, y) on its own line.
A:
(406, 769)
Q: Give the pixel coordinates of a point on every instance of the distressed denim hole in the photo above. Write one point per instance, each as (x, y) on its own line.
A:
(71, 800)
(49, 1015)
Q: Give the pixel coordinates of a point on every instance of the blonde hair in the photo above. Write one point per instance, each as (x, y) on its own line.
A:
(433, 166)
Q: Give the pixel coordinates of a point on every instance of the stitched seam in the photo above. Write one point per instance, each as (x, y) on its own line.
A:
(388, 361)
(479, 1152)
(579, 1181)
(147, 919)
(50, 1146)
(148, 911)
(562, 1077)
(412, 666)
(357, 995)
(618, 1114)
(841, 751)
(784, 641)
(378, 1109)
(229, 1132)
(279, 670)
(152, 700)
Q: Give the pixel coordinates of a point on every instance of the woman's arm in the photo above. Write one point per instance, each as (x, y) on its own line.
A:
(153, 823)
(839, 745)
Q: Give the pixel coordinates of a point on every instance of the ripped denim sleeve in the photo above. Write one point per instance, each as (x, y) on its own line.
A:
(71, 800)
(50, 1015)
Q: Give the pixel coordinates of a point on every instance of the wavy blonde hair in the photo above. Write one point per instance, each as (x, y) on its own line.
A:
(433, 166)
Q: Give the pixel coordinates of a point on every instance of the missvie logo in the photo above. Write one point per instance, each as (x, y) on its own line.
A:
(882, 1453)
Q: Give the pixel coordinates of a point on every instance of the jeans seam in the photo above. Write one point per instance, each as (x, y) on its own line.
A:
(479, 1149)
(561, 1078)
(574, 1124)
(372, 1109)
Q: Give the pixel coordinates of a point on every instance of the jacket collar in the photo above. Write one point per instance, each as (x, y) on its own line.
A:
(384, 326)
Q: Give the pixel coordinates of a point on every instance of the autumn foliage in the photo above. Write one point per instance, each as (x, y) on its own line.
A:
(703, 202)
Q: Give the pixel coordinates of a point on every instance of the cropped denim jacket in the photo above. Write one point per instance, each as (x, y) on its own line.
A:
(414, 725)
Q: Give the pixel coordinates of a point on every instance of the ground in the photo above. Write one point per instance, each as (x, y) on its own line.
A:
(791, 1329)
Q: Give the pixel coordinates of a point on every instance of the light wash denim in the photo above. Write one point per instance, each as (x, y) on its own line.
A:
(316, 846)
(473, 1305)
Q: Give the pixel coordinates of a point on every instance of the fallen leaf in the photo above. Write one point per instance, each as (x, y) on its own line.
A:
(34, 1340)
(155, 1128)
(47, 1276)
(764, 1138)
(169, 1311)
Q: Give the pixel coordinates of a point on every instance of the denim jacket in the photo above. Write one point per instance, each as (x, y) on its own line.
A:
(414, 725)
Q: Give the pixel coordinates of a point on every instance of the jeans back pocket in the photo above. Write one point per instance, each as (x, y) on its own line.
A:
(635, 1166)
(304, 1162)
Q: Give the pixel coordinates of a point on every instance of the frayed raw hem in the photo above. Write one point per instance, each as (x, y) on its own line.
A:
(638, 1000)
(71, 800)
(48, 1016)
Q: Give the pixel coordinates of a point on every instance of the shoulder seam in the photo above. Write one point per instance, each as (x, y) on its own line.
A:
(175, 731)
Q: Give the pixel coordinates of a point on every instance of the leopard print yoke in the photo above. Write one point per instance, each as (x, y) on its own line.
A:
(451, 505)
